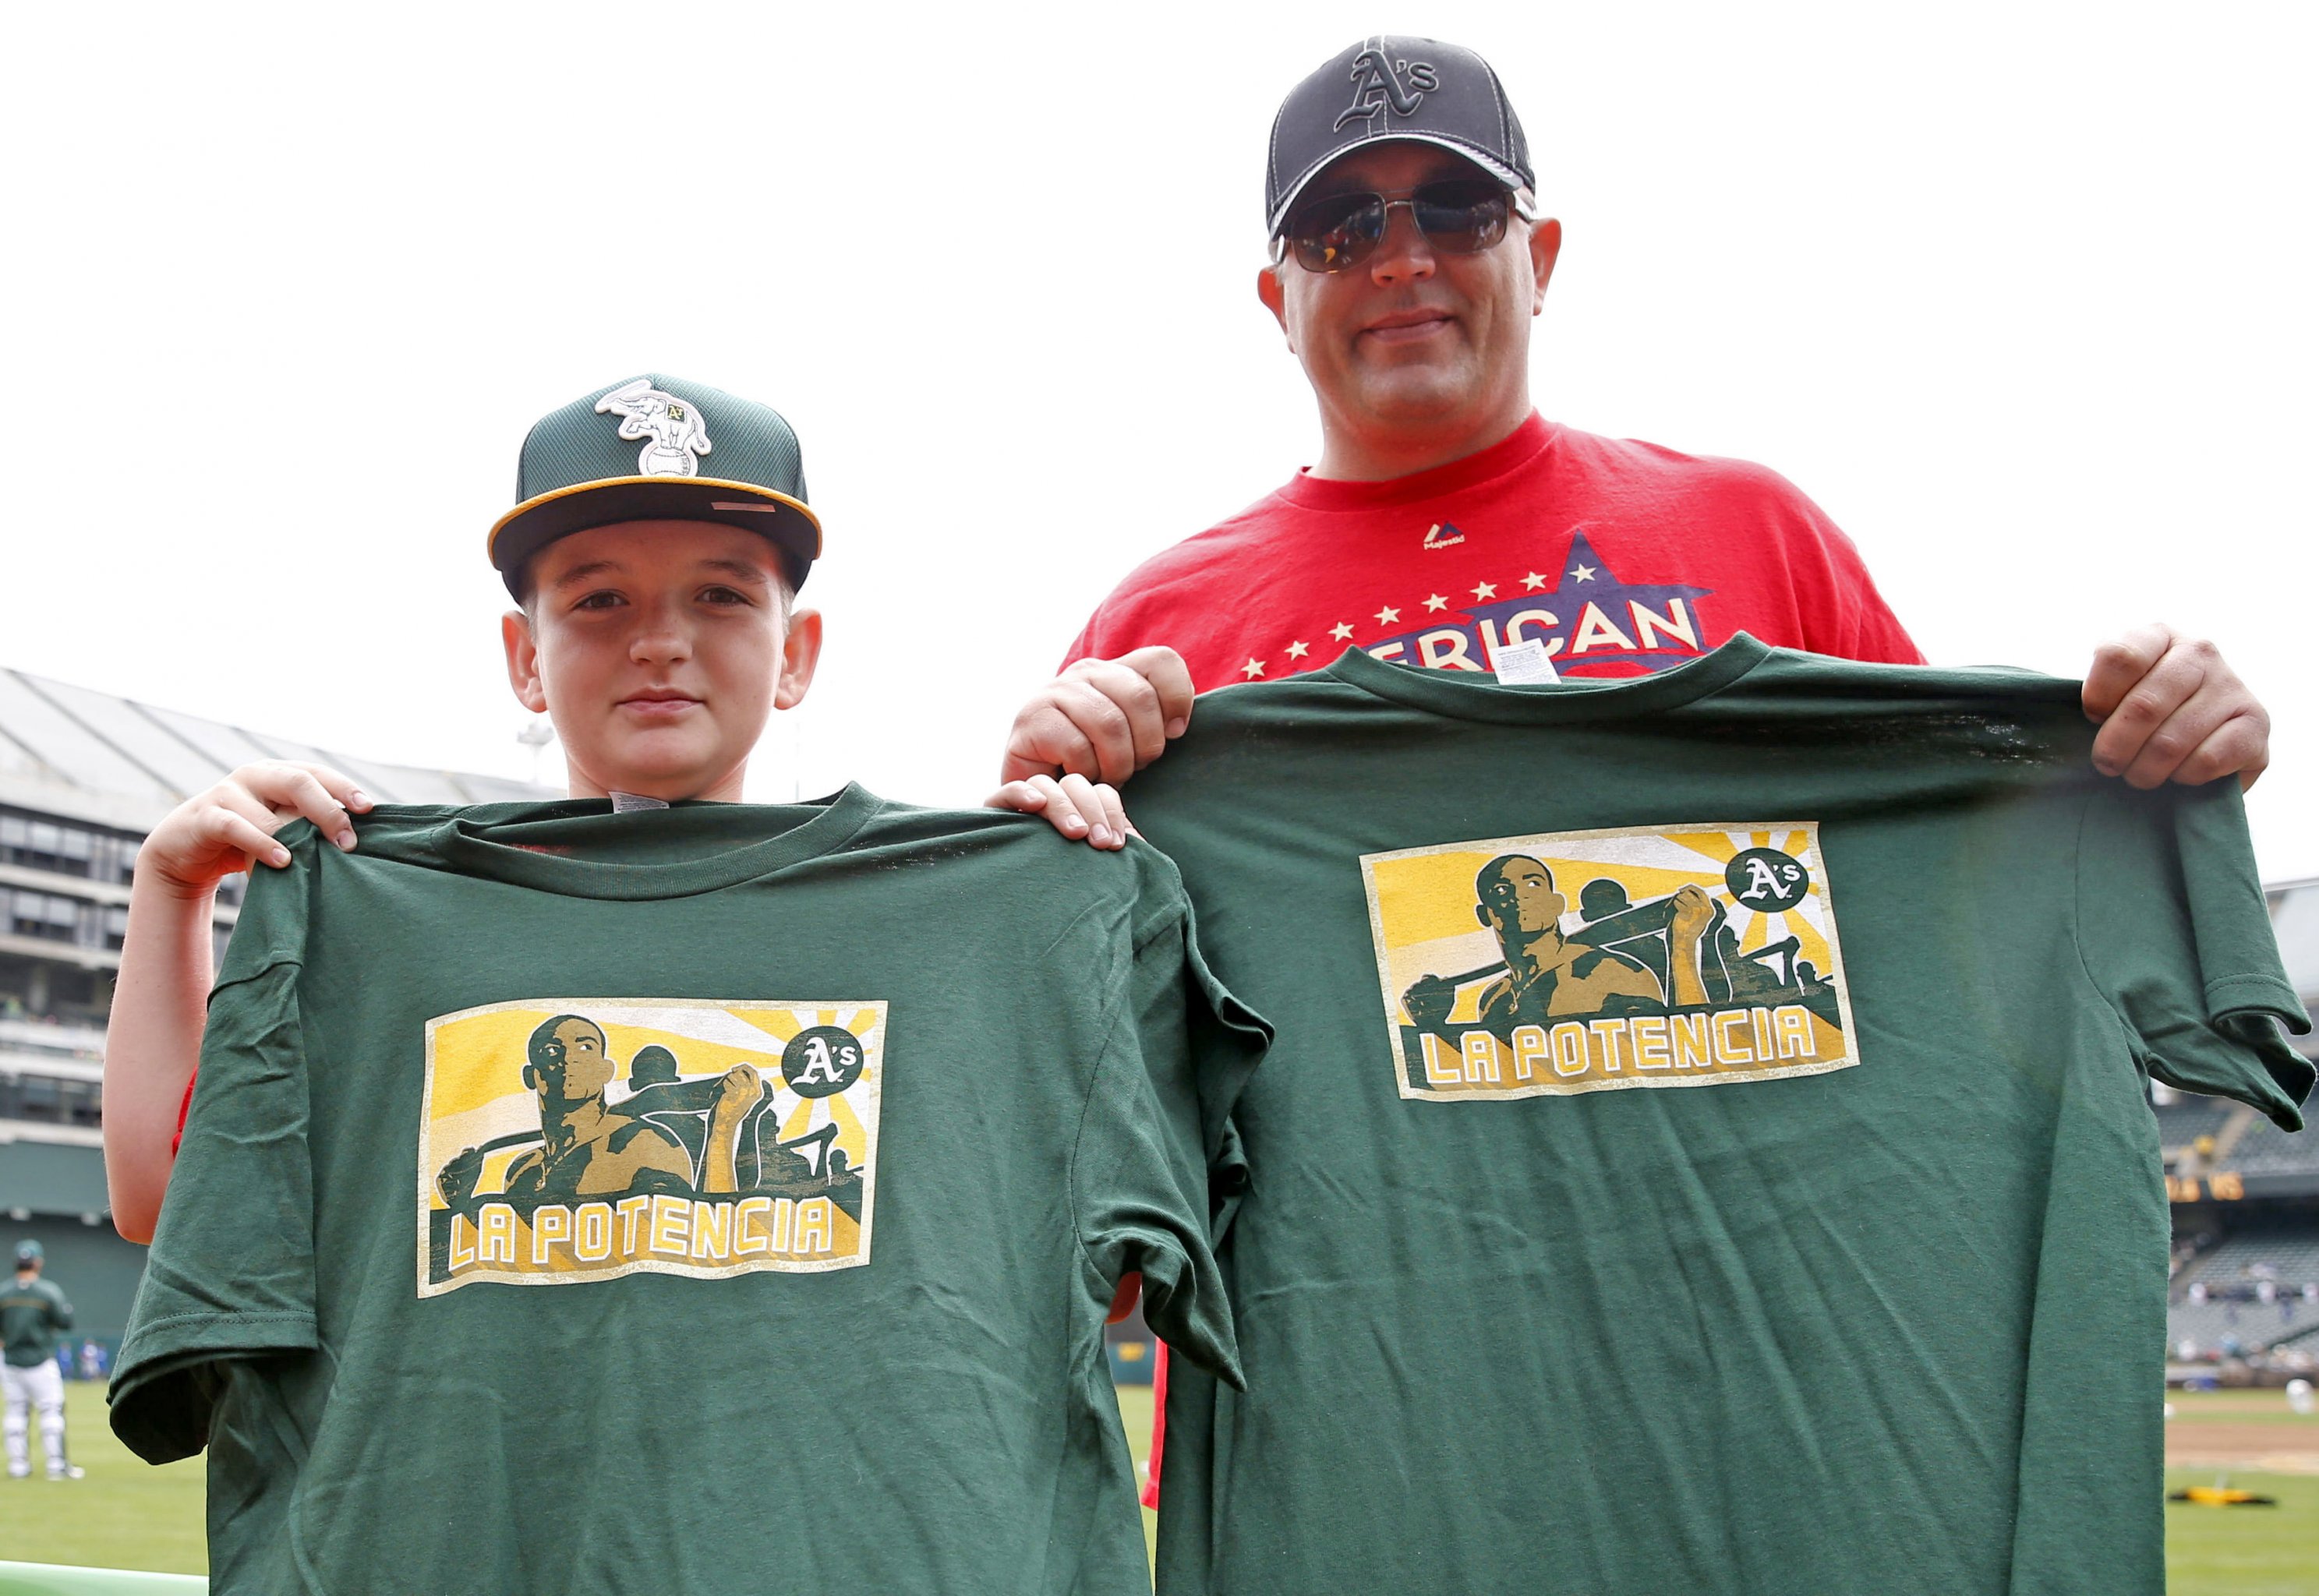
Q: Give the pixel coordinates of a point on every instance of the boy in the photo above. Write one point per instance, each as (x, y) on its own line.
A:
(658, 627)
(881, 1156)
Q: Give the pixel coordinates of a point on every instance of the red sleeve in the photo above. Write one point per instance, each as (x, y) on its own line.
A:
(1159, 1426)
(1836, 602)
(1867, 630)
(1086, 646)
(185, 1107)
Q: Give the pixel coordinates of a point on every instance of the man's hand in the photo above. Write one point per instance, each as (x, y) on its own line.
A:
(2171, 710)
(1104, 719)
(1693, 911)
(230, 828)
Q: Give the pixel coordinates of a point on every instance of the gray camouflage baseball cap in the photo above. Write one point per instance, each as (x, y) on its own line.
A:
(657, 447)
(1387, 86)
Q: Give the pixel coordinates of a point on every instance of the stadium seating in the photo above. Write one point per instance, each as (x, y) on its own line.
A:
(2267, 1150)
(2188, 1117)
(2286, 1254)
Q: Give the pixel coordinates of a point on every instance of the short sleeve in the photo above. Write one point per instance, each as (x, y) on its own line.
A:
(1154, 1144)
(1844, 613)
(2174, 930)
(231, 1270)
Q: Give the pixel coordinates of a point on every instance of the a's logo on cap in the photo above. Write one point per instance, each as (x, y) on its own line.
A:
(1383, 88)
(674, 435)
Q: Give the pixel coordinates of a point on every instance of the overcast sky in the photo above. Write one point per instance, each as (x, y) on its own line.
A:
(2021, 294)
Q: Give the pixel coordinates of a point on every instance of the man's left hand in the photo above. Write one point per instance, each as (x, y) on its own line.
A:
(2171, 709)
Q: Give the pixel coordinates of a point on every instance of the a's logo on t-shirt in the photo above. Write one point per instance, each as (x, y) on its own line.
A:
(571, 1139)
(1443, 535)
(1594, 960)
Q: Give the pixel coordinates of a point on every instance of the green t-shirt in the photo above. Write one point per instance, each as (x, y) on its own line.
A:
(33, 1313)
(713, 1198)
(1706, 1147)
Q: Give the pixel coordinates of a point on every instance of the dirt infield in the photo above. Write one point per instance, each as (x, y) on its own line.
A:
(2241, 1429)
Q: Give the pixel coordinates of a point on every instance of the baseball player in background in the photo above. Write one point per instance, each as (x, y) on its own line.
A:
(32, 1315)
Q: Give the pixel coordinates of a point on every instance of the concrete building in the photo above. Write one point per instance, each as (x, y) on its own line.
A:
(83, 775)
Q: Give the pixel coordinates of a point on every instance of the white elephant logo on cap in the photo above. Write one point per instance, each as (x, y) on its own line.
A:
(674, 435)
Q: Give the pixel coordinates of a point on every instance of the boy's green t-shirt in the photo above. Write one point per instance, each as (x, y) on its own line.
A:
(723, 1197)
(1706, 1148)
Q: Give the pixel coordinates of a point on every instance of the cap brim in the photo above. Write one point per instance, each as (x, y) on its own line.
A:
(1474, 153)
(785, 522)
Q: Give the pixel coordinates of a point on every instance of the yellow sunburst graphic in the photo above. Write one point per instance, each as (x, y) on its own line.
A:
(565, 1140)
(1640, 938)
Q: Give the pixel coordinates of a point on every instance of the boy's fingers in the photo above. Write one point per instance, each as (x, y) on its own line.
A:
(1062, 812)
(1018, 796)
(1114, 815)
(237, 833)
(313, 801)
(340, 787)
(1087, 798)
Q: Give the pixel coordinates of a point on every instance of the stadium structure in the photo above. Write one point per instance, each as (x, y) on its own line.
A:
(2243, 1298)
(83, 775)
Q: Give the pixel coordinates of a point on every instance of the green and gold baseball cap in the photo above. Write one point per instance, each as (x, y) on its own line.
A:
(658, 448)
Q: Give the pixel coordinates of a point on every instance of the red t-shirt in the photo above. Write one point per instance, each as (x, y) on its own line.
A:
(1621, 557)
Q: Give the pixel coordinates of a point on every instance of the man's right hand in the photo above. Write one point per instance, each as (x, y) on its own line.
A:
(1103, 720)
(230, 828)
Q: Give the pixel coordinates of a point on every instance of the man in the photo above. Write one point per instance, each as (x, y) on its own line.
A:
(1446, 518)
(591, 1149)
(1550, 978)
(32, 1314)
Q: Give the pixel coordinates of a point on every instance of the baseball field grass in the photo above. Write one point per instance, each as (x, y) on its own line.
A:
(128, 1515)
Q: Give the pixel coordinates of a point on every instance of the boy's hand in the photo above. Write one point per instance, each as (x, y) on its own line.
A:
(2171, 710)
(230, 828)
(1104, 719)
(1081, 810)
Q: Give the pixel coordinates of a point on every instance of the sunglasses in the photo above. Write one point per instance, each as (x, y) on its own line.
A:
(1458, 216)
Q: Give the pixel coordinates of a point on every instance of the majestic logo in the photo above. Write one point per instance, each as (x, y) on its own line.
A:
(674, 435)
(743, 1138)
(1443, 535)
(1696, 955)
(1382, 88)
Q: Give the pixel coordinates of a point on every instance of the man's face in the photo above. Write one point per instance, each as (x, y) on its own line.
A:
(1519, 899)
(658, 648)
(1414, 337)
(571, 1064)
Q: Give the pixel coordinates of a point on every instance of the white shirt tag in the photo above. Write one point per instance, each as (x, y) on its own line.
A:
(627, 803)
(1524, 662)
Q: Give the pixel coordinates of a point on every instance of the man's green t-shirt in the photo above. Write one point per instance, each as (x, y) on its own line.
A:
(33, 1313)
(720, 1198)
(1706, 1148)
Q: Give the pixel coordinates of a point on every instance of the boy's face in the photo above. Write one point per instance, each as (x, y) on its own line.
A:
(658, 648)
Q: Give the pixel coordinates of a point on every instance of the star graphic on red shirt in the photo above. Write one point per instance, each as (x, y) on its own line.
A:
(1297, 651)
(1387, 615)
(1342, 631)
(1487, 589)
(1532, 582)
(1438, 601)
(1584, 573)
(1252, 670)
